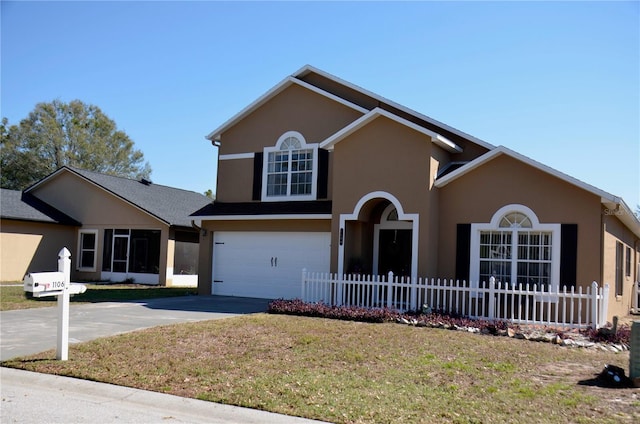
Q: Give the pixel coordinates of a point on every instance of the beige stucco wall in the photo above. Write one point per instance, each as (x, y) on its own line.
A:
(476, 196)
(314, 116)
(615, 231)
(98, 209)
(389, 157)
(31, 247)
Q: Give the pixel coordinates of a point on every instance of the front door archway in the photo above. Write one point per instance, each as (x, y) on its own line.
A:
(407, 226)
(392, 245)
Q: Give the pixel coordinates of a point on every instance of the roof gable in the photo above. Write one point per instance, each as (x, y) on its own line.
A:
(17, 205)
(170, 205)
(287, 82)
(607, 199)
(360, 99)
(376, 113)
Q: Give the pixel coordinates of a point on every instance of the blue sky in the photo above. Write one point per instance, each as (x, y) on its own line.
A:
(556, 81)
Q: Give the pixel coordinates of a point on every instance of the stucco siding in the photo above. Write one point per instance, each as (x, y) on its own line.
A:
(615, 232)
(389, 157)
(98, 209)
(91, 205)
(235, 180)
(476, 196)
(32, 247)
(294, 109)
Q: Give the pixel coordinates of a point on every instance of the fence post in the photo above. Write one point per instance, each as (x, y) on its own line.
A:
(594, 297)
(304, 285)
(64, 266)
(492, 298)
(413, 293)
(604, 305)
(389, 288)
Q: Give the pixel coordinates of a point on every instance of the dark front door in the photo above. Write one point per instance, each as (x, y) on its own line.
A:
(394, 253)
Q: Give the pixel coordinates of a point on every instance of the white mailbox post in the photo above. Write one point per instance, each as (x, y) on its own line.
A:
(59, 284)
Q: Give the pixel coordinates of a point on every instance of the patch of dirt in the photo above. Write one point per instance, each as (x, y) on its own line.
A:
(622, 402)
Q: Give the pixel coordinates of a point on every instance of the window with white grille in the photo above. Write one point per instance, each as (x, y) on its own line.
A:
(290, 169)
(515, 248)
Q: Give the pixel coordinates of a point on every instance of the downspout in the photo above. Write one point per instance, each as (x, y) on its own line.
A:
(602, 231)
(202, 231)
(636, 281)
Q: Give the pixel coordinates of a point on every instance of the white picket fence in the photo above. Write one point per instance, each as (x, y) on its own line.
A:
(531, 305)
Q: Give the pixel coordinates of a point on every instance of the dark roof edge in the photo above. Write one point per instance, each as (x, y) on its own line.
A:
(265, 208)
(59, 170)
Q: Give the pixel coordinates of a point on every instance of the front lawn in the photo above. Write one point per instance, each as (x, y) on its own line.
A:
(353, 372)
(13, 296)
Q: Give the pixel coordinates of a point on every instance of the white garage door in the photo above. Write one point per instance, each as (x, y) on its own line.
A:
(266, 264)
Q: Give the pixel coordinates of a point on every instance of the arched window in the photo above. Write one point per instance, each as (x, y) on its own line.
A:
(515, 248)
(290, 169)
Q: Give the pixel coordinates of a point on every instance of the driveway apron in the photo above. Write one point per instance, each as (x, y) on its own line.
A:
(30, 331)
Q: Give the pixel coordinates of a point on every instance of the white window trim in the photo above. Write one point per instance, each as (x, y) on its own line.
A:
(314, 175)
(95, 250)
(477, 229)
(413, 218)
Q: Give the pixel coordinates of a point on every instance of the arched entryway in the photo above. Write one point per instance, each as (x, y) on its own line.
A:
(392, 244)
(378, 237)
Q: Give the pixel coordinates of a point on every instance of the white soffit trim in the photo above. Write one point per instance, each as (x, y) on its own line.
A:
(377, 112)
(270, 94)
(308, 69)
(261, 217)
(607, 199)
(237, 156)
(501, 150)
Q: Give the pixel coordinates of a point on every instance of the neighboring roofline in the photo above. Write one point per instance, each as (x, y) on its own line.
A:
(377, 112)
(287, 82)
(607, 199)
(55, 216)
(308, 68)
(265, 217)
(60, 170)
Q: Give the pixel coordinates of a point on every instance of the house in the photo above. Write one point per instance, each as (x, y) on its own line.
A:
(31, 234)
(322, 175)
(116, 228)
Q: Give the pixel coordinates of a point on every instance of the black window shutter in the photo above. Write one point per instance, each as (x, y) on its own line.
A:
(463, 251)
(257, 175)
(568, 255)
(323, 173)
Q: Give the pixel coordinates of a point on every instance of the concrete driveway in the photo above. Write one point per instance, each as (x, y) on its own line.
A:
(29, 397)
(29, 331)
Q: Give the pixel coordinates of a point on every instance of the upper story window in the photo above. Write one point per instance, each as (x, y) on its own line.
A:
(290, 169)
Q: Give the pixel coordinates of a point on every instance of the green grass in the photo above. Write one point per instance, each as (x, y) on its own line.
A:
(350, 372)
(13, 297)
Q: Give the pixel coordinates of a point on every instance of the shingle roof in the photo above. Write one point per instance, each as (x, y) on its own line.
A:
(168, 204)
(313, 207)
(20, 206)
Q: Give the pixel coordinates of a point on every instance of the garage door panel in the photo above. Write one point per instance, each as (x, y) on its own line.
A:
(266, 264)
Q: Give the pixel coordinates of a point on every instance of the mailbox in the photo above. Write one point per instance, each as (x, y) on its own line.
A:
(39, 283)
(50, 284)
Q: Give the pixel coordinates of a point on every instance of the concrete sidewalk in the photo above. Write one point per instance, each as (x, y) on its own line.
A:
(29, 397)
